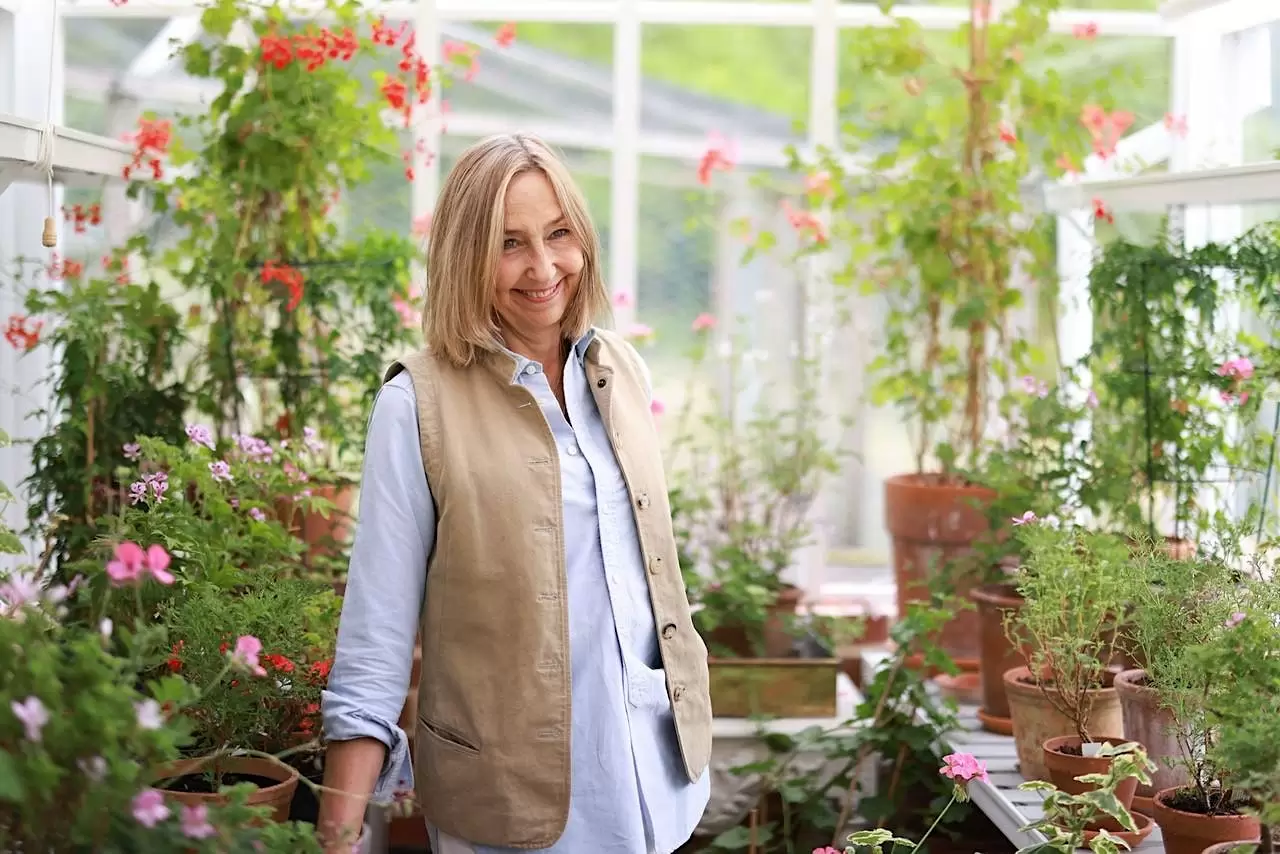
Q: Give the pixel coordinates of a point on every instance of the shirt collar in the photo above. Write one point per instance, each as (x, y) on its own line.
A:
(521, 362)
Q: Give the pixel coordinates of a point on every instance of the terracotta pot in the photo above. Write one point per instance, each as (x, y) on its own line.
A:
(1134, 838)
(323, 536)
(1150, 725)
(777, 641)
(1230, 847)
(933, 524)
(998, 653)
(278, 796)
(1065, 766)
(1036, 720)
(1191, 833)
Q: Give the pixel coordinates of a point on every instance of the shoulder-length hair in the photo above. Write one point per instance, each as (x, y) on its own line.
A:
(459, 322)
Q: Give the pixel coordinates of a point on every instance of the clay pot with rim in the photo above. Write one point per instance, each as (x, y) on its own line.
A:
(277, 796)
(998, 653)
(778, 642)
(1149, 724)
(1036, 719)
(933, 522)
(1230, 847)
(1065, 760)
(1134, 838)
(1186, 832)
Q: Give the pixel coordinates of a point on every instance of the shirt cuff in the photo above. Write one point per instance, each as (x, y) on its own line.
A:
(397, 769)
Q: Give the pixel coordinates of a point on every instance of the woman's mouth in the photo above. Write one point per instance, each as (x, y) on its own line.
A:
(543, 294)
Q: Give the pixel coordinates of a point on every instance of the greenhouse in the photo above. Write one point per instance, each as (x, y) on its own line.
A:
(639, 426)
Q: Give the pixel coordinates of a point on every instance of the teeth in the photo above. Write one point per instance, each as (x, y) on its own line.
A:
(542, 294)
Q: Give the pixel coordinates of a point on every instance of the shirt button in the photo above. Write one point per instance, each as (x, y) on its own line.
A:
(668, 631)
(530, 369)
(655, 565)
(572, 449)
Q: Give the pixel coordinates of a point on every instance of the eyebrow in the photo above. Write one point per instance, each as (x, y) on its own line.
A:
(558, 221)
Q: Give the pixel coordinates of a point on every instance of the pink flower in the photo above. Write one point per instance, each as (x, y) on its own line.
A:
(826, 849)
(132, 451)
(1025, 519)
(32, 714)
(818, 183)
(721, 155)
(149, 808)
(806, 223)
(257, 515)
(703, 322)
(1092, 400)
(201, 435)
(148, 714)
(195, 822)
(657, 407)
(963, 767)
(1031, 385)
(132, 564)
(622, 299)
(1235, 619)
(1239, 370)
(639, 332)
(1087, 31)
(245, 656)
(220, 471)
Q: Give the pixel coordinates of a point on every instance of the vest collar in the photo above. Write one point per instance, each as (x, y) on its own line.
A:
(508, 364)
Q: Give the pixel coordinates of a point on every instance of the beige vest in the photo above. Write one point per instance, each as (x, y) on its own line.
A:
(491, 746)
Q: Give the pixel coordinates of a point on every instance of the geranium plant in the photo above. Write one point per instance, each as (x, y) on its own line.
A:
(84, 722)
(1075, 589)
(301, 316)
(937, 219)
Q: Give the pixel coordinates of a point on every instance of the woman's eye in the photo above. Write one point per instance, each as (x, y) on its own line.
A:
(559, 232)
(510, 243)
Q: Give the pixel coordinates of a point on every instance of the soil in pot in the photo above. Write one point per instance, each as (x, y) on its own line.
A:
(1036, 719)
(998, 653)
(1065, 760)
(1188, 829)
(1149, 724)
(933, 522)
(185, 781)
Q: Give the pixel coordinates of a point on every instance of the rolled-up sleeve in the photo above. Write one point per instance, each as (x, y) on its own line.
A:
(385, 583)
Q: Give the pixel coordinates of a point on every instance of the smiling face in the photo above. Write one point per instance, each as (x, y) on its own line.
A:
(540, 263)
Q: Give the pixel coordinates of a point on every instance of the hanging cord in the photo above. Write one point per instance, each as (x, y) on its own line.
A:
(48, 135)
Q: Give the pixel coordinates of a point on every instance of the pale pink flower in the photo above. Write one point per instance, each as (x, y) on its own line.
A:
(721, 155)
(201, 435)
(245, 656)
(1031, 385)
(221, 471)
(17, 592)
(657, 407)
(158, 564)
(94, 768)
(195, 822)
(149, 808)
(1235, 619)
(257, 515)
(132, 451)
(105, 628)
(1026, 518)
(818, 183)
(623, 299)
(32, 714)
(148, 714)
(128, 565)
(639, 332)
(963, 767)
(1092, 400)
(704, 322)
(806, 223)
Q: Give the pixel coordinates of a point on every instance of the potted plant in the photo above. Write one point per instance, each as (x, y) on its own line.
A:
(83, 716)
(746, 477)
(1062, 704)
(1093, 817)
(298, 314)
(974, 120)
(111, 375)
(1176, 604)
(1225, 692)
(1171, 379)
(1035, 468)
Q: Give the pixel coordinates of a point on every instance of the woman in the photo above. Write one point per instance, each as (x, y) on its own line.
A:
(514, 516)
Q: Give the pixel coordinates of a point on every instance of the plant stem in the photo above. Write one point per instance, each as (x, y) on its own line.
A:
(935, 822)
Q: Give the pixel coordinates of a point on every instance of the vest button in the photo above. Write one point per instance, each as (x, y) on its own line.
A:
(677, 693)
(655, 564)
(668, 631)
(600, 383)
(643, 500)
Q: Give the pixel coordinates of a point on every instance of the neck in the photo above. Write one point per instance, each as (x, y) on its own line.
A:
(547, 349)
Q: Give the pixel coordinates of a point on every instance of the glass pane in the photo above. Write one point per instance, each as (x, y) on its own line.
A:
(108, 45)
(546, 69)
(734, 80)
(1262, 127)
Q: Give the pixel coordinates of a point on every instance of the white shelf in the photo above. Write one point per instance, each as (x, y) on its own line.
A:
(79, 158)
(1233, 185)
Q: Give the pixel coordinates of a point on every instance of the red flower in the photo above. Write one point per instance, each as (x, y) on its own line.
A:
(320, 670)
(175, 662)
(287, 276)
(277, 662)
(1100, 211)
(23, 332)
(505, 35)
(150, 143)
(1087, 31)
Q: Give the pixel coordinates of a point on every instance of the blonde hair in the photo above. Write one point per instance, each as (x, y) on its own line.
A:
(458, 321)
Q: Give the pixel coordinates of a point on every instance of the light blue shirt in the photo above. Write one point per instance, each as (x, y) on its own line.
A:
(630, 793)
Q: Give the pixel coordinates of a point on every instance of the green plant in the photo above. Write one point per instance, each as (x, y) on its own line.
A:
(746, 475)
(935, 216)
(1074, 584)
(300, 317)
(1067, 817)
(85, 721)
(270, 714)
(1171, 378)
(111, 377)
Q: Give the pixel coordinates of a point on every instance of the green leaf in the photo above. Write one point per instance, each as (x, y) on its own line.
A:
(10, 779)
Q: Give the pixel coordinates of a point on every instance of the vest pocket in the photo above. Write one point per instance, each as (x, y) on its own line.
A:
(447, 737)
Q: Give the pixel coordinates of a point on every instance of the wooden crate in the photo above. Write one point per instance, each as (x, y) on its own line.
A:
(776, 687)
